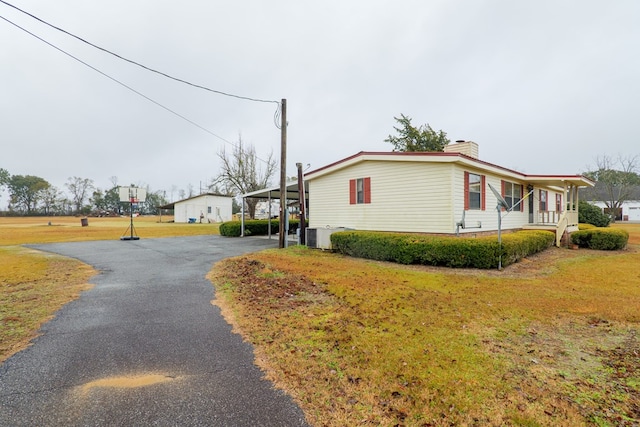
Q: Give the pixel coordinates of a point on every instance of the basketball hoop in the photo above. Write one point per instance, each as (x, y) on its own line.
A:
(133, 196)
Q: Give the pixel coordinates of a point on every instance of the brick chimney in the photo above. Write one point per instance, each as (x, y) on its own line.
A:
(468, 148)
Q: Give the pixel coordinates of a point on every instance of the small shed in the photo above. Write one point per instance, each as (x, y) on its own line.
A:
(208, 207)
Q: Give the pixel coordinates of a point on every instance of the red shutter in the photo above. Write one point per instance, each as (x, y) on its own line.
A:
(367, 190)
(466, 191)
(482, 193)
(558, 202)
(540, 200)
(352, 191)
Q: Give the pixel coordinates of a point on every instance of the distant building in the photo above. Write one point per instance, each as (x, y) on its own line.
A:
(207, 207)
(628, 211)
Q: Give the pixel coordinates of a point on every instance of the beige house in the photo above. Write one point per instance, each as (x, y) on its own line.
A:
(439, 192)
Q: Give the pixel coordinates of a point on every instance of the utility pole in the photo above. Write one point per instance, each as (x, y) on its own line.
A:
(302, 199)
(283, 175)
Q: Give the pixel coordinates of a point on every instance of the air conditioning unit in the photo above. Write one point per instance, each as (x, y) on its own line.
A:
(311, 237)
(319, 238)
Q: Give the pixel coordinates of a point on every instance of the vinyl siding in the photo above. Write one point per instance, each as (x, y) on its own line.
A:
(414, 197)
(477, 220)
(405, 196)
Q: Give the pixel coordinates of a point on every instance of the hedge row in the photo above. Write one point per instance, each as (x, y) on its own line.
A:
(255, 227)
(460, 252)
(608, 239)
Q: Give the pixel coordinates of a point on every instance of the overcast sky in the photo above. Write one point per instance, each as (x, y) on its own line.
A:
(543, 86)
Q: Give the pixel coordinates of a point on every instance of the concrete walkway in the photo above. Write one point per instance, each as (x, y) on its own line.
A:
(144, 347)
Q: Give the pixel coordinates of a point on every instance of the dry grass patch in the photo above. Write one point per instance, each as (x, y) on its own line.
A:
(33, 286)
(553, 341)
(23, 230)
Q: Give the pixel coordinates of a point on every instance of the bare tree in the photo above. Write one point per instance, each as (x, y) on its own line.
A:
(80, 189)
(616, 180)
(52, 200)
(243, 171)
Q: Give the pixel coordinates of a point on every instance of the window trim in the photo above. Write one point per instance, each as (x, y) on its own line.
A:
(467, 191)
(359, 197)
(559, 203)
(543, 205)
(504, 193)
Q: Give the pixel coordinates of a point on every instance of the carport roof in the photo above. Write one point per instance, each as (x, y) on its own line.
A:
(274, 192)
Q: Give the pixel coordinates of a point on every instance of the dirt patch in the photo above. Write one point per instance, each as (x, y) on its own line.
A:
(588, 366)
(127, 382)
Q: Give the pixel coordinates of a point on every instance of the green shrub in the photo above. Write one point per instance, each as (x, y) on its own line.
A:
(230, 229)
(255, 227)
(590, 214)
(607, 239)
(586, 226)
(461, 252)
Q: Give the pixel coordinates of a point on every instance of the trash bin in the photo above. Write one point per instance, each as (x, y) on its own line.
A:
(84, 221)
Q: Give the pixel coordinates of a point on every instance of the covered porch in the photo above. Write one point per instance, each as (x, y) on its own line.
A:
(564, 219)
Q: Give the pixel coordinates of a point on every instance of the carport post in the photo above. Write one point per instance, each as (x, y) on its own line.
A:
(242, 218)
(269, 216)
(302, 199)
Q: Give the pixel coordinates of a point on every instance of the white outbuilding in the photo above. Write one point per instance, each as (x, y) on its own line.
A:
(208, 207)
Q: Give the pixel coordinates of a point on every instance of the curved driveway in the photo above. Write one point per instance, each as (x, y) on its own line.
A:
(144, 347)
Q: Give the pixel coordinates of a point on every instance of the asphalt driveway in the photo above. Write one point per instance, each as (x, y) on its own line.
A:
(145, 346)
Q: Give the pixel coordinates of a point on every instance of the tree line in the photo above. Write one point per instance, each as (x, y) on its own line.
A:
(33, 195)
(242, 171)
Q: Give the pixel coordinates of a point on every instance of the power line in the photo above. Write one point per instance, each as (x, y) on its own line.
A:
(276, 114)
(246, 98)
(117, 81)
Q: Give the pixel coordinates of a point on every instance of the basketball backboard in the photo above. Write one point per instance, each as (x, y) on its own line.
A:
(132, 194)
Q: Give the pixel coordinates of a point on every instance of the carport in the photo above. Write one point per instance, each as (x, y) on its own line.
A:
(293, 193)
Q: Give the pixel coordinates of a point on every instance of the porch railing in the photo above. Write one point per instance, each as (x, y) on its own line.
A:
(552, 217)
(561, 220)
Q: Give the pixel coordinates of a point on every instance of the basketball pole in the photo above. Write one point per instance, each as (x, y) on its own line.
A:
(131, 199)
(131, 215)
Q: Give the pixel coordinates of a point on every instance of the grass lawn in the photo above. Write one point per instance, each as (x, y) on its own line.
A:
(23, 230)
(552, 340)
